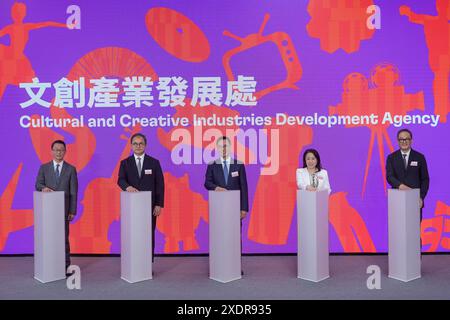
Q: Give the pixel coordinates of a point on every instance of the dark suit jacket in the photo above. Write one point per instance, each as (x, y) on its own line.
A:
(68, 182)
(215, 178)
(413, 176)
(154, 182)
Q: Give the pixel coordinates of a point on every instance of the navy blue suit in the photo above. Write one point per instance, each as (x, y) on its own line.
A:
(237, 179)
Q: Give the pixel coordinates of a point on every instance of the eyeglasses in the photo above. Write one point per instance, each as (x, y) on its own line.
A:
(140, 144)
(59, 150)
(404, 140)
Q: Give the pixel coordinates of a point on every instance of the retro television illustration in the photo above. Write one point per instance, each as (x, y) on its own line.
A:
(286, 50)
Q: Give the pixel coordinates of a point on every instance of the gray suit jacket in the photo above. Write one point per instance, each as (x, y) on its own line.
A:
(68, 182)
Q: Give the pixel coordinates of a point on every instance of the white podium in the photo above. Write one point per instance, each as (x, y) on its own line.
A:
(313, 250)
(49, 236)
(404, 234)
(224, 236)
(136, 236)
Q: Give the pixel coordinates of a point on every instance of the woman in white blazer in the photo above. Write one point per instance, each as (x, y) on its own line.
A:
(312, 177)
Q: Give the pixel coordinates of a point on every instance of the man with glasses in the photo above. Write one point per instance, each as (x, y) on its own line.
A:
(140, 172)
(59, 175)
(407, 169)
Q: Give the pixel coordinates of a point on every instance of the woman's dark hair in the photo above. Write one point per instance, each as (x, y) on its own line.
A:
(316, 154)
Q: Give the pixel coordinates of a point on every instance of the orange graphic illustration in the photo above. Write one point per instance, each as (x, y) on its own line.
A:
(285, 47)
(436, 230)
(181, 219)
(339, 24)
(101, 202)
(101, 207)
(196, 132)
(349, 225)
(437, 36)
(111, 62)
(102, 62)
(383, 94)
(81, 150)
(177, 34)
(186, 207)
(12, 219)
(275, 196)
(14, 64)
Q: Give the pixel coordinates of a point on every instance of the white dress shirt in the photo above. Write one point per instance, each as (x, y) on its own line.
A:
(228, 160)
(60, 166)
(142, 160)
(304, 179)
(407, 156)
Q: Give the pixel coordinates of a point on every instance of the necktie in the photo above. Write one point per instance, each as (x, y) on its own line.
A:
(57, 173)
(404, 161)
(139, 166)
(225, 172)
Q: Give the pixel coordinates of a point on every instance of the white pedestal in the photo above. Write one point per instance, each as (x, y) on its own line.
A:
(313, 250)
(136, 236)
(224, 236)
(49, 236)
(404, 234)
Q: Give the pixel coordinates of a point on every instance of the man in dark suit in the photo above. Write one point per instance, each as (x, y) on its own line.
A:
(140, 172)
(407, 168)
(226, 173)
(59, 175)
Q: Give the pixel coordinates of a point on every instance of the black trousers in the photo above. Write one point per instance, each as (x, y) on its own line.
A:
(153, 235)
(67, 243)
(421, 230)
(67, 231)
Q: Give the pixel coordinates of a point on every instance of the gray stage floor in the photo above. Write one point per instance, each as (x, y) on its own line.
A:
(266, 277)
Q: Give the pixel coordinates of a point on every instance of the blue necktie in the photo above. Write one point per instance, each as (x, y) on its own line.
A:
(225, 171)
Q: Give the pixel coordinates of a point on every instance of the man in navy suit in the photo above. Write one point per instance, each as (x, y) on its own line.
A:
(407, 168)
(226, 173)
(140, 172)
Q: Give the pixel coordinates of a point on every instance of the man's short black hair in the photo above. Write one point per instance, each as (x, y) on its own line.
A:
(223, 138)
(58, 142)
(138, 135)
(404, 130)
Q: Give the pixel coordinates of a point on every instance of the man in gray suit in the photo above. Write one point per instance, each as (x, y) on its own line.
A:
(58, 175)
